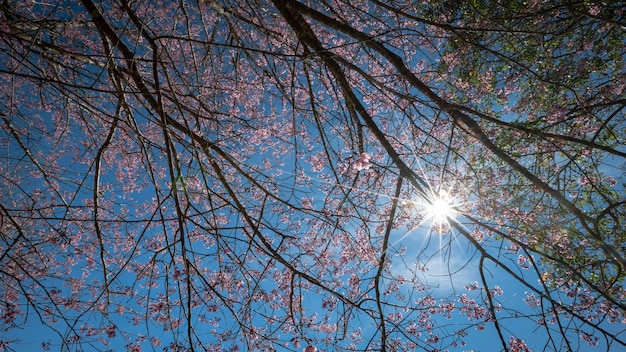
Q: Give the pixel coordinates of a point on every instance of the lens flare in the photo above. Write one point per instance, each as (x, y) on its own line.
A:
(440, 210)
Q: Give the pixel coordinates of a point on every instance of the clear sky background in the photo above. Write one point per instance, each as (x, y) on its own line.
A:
(452, 266)
(443, 266)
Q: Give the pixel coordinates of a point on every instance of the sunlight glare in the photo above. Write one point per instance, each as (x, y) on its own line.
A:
(440, 210)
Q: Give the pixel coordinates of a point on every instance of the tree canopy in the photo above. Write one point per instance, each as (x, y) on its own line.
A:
(291, 175)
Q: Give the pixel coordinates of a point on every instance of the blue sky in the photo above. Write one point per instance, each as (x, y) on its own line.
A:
(411, 248)
(450, 259)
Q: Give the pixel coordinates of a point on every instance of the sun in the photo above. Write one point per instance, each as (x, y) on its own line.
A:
(440, 209)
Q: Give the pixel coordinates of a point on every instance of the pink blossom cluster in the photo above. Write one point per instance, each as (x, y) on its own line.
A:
(518, 345)
(363, 163)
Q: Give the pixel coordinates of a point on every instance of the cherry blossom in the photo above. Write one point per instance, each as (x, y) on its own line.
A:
(266, 175)
(363, 162)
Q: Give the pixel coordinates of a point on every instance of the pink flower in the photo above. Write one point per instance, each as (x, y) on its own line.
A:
(591, 340)
(317, 162)
(518, 345)
(364, 162)
(110, 330)
(310, 349)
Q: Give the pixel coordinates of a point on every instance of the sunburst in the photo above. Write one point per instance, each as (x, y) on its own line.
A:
(440, 209)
